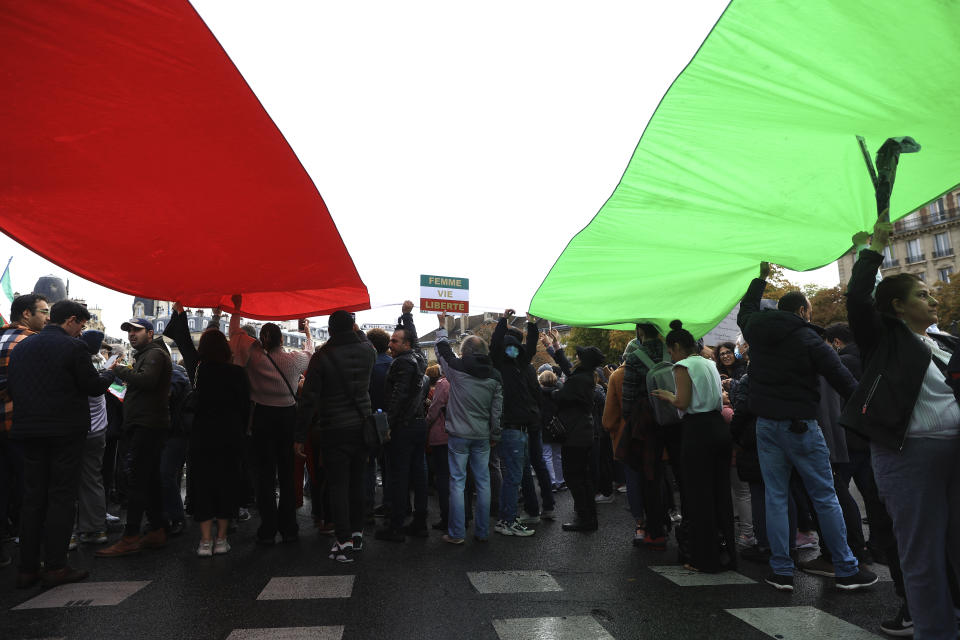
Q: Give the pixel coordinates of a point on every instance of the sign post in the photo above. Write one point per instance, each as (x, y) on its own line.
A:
(440, 294)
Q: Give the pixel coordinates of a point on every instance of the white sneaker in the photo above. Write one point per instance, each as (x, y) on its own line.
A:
(513, 529)
(205, 550)
(74, 542)
(602, 499)
(221, 546)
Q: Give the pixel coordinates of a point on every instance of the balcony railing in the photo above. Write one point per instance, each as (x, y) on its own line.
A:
(928, 220)
(890, 263)
(943, 253)
(916, 258)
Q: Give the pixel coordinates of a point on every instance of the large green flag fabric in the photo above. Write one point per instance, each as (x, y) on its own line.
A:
(752, 155)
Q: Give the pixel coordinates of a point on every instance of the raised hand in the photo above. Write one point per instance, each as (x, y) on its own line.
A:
(764, 270)
(509, 313)
(881, 236)
(442, 318)
(237, 300)
(861, 238)
(407, 306)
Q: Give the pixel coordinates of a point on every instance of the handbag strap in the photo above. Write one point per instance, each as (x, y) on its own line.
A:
(282, 377)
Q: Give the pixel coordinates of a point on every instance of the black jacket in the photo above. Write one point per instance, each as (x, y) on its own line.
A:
(147, 402)
(521, 405)
(743, 428)
(406, 390)
(575, 407)
(895, 362)
(223, 407)
(786, 354)
(335, 400)
(49, 380)
(548, 409)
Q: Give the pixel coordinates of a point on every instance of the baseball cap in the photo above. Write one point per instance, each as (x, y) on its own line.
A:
(137, 323)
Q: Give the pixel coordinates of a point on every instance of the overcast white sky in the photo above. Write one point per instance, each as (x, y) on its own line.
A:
(459, 139)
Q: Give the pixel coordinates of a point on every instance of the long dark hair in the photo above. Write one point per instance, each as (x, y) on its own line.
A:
(270, 336)
(214, 347)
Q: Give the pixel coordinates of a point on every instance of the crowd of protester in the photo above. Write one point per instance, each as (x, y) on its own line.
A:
(739, 451)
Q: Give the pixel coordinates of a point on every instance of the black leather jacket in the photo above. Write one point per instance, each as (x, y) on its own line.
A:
(895, 362)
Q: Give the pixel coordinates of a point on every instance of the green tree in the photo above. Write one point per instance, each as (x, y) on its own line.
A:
(611, 343)
(828, 305)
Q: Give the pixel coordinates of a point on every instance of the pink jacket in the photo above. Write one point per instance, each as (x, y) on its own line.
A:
(436, 414)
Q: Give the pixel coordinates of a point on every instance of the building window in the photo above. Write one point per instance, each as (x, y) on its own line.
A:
(941, 245)
(922, 276)
(944, 274)
(938, 211)
(192, 324)
(914, 251)
(888, 258)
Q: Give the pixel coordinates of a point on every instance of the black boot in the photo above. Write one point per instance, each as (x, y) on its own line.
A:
(580, 524)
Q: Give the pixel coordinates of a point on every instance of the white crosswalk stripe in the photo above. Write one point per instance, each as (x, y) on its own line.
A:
(513, 581)
(562, 628)
(307, 588)
(800, 623)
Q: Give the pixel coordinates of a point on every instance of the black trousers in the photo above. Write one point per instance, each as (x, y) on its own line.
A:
(668, 438)
(145, 490)
(708, 505)
(273, 448)
(603, 463)
(51, 474)
(408, 464)
(344, 465)
(579, 478)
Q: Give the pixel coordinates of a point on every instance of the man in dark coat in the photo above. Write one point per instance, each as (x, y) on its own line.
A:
(51, 378)
(335, 403)
(521, 413)
(146, 415)
(787, 353)
(405, 392)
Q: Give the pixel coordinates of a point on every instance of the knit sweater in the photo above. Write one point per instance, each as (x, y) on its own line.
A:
(266, 385)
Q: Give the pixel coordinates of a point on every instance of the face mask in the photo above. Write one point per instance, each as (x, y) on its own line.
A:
(736, 352)
(512, 351)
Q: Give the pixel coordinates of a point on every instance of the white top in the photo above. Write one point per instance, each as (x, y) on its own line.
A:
(936, 414)
(707, 389)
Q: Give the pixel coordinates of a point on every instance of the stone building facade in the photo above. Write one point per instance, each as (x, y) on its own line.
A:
(923, 243)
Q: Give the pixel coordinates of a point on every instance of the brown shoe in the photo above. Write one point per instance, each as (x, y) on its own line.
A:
(125, 546)
(27, 580)
(56, 577)
(154, 540)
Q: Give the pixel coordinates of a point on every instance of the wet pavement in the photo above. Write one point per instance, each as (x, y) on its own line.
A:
(553, 585)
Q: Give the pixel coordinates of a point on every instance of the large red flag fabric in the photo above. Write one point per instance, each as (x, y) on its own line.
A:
(133, 153)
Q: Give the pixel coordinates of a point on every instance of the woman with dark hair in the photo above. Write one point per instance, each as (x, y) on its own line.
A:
(221, 406)
(907, 410)
(273, 374)
(575, 410)
(437, 438)
(706, 451)
(727, 363)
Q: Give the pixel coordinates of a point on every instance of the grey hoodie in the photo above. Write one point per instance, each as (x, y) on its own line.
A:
(476, 393)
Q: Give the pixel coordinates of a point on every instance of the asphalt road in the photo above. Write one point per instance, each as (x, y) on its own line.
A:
(576, 587)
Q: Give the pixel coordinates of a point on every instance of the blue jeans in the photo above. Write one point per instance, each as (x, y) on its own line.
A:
(535, 452)
(920, 486)
(780, 450)
(477, 452)
(512, 451)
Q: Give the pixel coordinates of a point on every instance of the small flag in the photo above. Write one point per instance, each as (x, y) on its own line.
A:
(7, 291)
